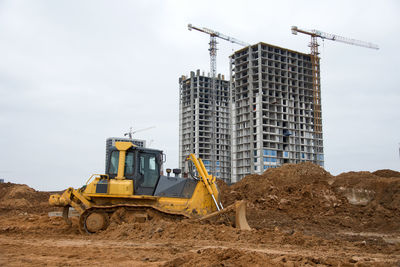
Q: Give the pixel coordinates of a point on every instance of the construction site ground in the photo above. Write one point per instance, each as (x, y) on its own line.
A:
(300, 216)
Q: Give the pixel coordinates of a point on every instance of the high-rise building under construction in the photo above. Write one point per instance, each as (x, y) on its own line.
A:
(272, 109)
(204, 123)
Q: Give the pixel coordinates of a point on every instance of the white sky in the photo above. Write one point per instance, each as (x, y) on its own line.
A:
(73, 73)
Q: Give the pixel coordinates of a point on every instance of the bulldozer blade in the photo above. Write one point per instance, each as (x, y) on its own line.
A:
(239, 210)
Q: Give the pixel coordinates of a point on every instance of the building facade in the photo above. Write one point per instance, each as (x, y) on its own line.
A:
(204, 117)
(272, 118)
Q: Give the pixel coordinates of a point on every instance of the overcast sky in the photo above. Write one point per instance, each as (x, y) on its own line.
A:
(73, 73)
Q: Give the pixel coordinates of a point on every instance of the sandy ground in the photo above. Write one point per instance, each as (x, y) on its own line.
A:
(36, 240)
(309, 219)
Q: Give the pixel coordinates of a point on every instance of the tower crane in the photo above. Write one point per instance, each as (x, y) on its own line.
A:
(315, 34)
(213, 71)
(213, 45)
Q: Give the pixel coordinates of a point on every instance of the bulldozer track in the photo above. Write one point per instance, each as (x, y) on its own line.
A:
(108, 211)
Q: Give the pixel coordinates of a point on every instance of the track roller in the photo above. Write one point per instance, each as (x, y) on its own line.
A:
(93, 221)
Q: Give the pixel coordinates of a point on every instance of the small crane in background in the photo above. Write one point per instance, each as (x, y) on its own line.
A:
(131, 132)
(315, 34)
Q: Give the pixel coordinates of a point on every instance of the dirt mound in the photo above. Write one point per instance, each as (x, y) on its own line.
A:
(364, 188)
(164, 230)
(305, 173)
(23, 198)
(373, 201)
(354, 177)
(222, 186)
(305, 196)
(290, 184)
(386, 173)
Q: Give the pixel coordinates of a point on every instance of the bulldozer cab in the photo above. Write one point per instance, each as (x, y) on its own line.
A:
(142, 165)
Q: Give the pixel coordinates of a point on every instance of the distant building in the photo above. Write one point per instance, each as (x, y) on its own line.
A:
(204, 123)
(1, 181)
(272, 105)
(110, 142)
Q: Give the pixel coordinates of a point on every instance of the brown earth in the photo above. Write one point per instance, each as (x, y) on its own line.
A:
(20, 197)
(386, 173)
(301, 215)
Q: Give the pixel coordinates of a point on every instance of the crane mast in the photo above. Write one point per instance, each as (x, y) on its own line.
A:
(315, 34)
(213, 45)
(213, 71)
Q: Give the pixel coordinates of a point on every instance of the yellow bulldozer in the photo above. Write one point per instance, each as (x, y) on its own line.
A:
(134, 181)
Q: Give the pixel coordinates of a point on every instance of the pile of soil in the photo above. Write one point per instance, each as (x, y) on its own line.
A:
(372, 200)
(386, 173)
(304, 196)
(302, 180)
(20, 197)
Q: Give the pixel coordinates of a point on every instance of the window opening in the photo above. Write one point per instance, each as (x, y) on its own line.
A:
(113, 169)
(149, 169)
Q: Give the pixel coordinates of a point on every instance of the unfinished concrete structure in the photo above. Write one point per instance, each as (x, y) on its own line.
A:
(272, 110)
(204, 123)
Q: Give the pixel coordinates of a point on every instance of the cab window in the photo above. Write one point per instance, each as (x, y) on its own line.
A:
(129, 159)
(149, 169)
(129, 162)
(113, 169)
